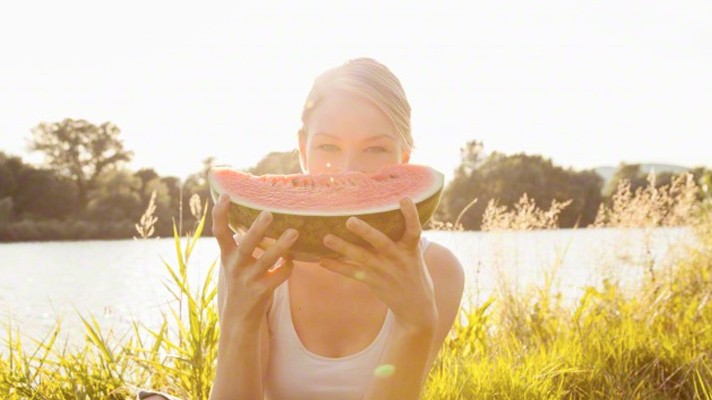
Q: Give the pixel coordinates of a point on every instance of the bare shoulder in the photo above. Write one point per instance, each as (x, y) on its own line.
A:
(448, 278)
(445, 268)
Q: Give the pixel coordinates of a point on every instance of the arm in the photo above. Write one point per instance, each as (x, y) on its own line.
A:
(239, 373)
(412, 353)
(230, 362)
(264, 331)
(402, 365)
(244, 299)
(399, 275)
(232, 339)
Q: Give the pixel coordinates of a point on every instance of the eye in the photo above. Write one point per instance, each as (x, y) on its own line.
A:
(377, 149)
(327, 147)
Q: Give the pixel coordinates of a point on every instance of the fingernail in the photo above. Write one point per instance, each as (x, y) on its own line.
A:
(265, 216)
(291, 234)
(328, 240)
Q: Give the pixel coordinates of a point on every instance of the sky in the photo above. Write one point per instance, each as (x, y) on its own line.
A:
(586, 83)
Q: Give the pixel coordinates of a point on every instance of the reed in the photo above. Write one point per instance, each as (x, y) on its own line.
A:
(653, 342)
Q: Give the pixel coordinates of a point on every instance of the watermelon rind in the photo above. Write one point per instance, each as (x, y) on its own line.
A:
(313, 226)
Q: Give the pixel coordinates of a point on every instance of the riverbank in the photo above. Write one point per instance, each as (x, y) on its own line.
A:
(652, 343)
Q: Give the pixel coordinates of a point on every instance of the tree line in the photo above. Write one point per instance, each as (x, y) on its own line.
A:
(86, 191)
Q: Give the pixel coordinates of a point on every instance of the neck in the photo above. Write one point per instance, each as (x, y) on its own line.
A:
(315, 275)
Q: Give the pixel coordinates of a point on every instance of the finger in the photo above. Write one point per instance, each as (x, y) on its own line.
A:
(254, 235)
(349, 270)
(278, 275)
(221, 230)
(350, 250)
(379, 240)
(236, 237)
(413, 229)
(284, 243)
(265, 244)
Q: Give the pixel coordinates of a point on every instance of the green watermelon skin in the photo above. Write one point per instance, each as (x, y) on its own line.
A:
(312, 229)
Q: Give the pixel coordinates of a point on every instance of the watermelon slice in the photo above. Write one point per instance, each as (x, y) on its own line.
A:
(319, 204)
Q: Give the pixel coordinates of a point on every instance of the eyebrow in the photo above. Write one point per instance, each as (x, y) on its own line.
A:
(365, 140)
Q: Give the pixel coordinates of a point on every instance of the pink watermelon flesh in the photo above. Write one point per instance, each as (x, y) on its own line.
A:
(329, 194)
(316, 205)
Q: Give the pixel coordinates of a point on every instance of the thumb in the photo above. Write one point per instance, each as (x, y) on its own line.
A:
(278, 275)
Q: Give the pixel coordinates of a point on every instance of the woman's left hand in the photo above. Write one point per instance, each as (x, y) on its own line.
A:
(396, 271)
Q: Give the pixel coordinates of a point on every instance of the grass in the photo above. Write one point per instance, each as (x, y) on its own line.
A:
(651, 342)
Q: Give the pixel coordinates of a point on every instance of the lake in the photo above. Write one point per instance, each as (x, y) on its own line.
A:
(122, 281)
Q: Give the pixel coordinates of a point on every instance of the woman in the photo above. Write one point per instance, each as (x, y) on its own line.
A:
(367, 329)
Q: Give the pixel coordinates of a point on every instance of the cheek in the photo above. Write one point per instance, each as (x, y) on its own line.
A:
(320, 161)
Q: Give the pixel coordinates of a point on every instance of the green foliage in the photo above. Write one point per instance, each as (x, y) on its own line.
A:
(650, 343)
(35, 193)
(5, 209)
(8, 185)
(276, 162)
(182, 361)
(80, 151)
(653, 343)
(41, 205)
(507, 178)
(628, 172)
(116, 197)
(178, 357)
(52, 229)
(41, 194)
(638, 178)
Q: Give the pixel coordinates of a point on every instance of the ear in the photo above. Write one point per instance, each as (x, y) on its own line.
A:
(405, 157)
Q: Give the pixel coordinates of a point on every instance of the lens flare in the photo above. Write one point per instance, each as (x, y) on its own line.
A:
(384, 370)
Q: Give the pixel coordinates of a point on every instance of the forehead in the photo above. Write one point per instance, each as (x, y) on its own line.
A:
(348, 116)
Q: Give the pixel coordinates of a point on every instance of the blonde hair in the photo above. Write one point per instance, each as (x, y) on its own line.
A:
(371, 80)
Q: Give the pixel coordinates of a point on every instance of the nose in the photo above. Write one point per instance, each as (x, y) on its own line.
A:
(355, 162)
(349, 162)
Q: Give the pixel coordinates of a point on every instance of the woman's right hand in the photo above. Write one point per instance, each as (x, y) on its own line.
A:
(249, 281)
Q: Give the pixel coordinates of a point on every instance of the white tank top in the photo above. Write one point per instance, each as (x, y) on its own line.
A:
(295, 373)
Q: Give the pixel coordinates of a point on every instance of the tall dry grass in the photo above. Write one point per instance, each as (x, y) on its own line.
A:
(178, 357)
(650, 343)
(653, 342)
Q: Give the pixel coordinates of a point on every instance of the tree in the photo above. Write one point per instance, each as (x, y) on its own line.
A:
(471, 157)
(42, 194)
(34, 193)
(116, 197)
(196, 184)
(10, 167)
(632, 173)
(506, 178)
(80, 151)
(276, 162)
